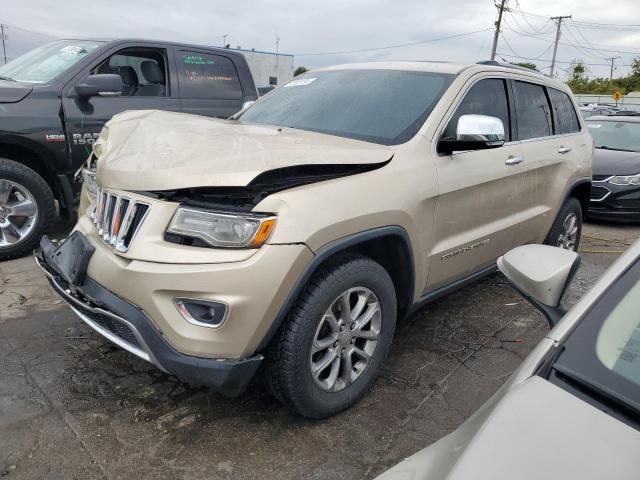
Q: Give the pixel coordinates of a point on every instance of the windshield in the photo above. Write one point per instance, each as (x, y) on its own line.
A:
(380, 106)
(615, 135)
(602, 355)
(43, 64)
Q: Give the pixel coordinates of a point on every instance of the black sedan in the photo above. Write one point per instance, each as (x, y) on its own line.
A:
(615, 192)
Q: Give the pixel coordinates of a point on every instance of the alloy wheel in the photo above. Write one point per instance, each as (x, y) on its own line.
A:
(569, 233)
(346, 339)
(18, 213)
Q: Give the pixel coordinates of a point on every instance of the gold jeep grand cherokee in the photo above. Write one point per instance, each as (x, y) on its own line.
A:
(294, 235)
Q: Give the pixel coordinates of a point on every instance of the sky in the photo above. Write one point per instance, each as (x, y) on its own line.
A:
(318, 33)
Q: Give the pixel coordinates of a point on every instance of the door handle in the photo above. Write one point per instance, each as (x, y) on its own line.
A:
(514, 160)
(564, 150)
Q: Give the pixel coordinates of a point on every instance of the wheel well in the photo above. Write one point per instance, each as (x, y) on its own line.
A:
(582, 192)
(29, 158)
(393, 253)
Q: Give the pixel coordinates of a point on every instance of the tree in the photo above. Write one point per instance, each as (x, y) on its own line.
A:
(530, 66)
(578, 76)
(300, 71)
(635, 67)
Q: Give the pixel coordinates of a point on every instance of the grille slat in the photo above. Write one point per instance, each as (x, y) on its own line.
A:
(117, 218)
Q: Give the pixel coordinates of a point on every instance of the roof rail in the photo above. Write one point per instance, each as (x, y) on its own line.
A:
(508, 65)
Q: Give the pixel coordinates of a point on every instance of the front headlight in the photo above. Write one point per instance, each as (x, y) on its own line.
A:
(222, 229)
(89, 179)
(626, 180)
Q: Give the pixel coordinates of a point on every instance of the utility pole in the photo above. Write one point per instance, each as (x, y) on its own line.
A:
(4, 47)
(613, 59)
(555, 46)
(497, 32)
(224, 40)
(277, 56)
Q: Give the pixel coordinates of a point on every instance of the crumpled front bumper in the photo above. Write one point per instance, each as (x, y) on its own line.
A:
(129, 327)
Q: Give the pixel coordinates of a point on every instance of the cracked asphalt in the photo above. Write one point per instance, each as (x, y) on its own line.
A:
(74, 406)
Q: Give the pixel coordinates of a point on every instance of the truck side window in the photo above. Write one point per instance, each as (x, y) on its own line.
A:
(532, 110)
(487, 97)
(143, 71)
(208, 77)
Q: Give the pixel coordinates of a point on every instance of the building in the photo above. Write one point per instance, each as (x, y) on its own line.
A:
(268, 68)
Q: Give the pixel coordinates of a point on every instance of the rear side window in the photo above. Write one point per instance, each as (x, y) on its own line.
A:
(487, 97)
(208, 77)
(565, 118)
(533, 113)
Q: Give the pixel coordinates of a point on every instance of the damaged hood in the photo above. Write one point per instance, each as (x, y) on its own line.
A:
(157, 150)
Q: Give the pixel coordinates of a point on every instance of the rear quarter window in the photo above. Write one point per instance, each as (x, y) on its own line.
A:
(206, 76)
(564, 114)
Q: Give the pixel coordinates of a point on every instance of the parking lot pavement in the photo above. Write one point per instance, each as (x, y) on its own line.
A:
(74, 406)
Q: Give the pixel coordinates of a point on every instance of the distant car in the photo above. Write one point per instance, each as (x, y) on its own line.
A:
(572, 409)
(615, 191)
(591, 111)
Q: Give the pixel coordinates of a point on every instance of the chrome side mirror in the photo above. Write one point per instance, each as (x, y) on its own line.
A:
(541, 274)
(474, 132)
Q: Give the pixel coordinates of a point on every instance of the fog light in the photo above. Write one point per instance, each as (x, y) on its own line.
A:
(204, 313)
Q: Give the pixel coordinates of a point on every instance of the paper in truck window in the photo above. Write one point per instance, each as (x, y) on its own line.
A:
(73, 49)
(300, 82)
(594, 125)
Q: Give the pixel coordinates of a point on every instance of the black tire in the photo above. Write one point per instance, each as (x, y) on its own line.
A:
(570, 207)
(35, 184)
(288, 369)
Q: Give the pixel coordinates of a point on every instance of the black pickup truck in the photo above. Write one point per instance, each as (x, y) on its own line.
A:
(55, 99)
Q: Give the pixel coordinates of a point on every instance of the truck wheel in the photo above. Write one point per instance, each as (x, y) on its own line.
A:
(567, 227)
(338, 336)
(26, 208)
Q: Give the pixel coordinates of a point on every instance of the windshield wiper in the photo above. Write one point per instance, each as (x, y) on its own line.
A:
(7, 78)
(604, 147)
(620, 402)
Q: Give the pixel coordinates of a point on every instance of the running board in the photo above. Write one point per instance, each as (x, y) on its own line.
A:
(446, 289)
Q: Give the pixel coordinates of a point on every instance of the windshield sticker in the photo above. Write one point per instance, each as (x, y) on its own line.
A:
(196, 60)
(300, 82)
(592, 125)
(72, 49)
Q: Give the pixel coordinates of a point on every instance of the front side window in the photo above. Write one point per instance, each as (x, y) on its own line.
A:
(45, 63)
(533, 114)
(487, 97)
(143, 71)
(615, 135)
(564, 115)
(206, 76)
(380, 106)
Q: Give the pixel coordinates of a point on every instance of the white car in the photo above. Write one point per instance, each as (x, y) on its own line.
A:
(572, 409)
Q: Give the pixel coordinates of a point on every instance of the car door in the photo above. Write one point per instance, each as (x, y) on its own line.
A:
(476, 213)
(148, 83)
(209, 83)
(549, 133)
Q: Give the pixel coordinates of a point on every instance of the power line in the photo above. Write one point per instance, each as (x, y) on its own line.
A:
(536, 31)
(636, 52)
(393, 46)
(561, 61)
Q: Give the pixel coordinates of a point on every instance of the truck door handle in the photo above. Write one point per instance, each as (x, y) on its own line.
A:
(514, 160)
(564, 150)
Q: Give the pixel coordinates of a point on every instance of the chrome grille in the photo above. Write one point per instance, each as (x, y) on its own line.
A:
(117, 218)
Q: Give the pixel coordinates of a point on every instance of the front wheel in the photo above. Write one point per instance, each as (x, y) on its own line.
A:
(567, 227)
(26, 208)
(336, 340)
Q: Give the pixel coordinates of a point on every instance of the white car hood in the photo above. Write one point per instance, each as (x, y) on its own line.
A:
(158, 150)
(536, 431)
